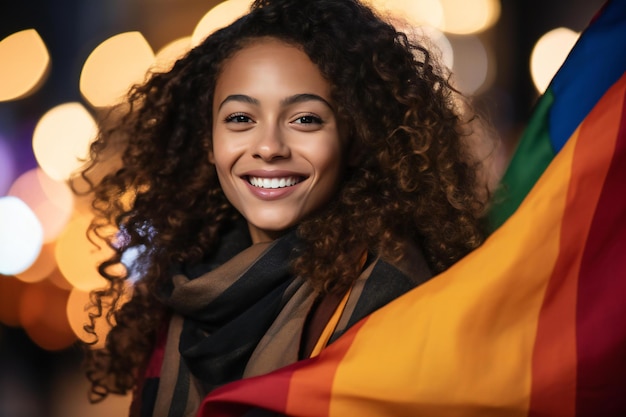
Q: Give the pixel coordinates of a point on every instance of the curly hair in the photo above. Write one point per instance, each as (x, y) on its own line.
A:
(414, 178)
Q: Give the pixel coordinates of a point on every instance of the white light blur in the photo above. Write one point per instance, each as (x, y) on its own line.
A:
(548, 55)
(61, 139)
(21, 236)
(128, 260)
(50, 200)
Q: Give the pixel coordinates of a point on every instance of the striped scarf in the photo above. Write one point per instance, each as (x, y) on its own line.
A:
(243, 314)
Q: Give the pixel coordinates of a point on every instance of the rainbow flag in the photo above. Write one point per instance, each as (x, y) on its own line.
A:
(533, 323)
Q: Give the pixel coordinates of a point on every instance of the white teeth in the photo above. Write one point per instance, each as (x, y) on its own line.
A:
(273, 182)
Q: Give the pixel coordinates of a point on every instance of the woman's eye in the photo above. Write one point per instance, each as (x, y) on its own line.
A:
(238, 118)
(308, 119)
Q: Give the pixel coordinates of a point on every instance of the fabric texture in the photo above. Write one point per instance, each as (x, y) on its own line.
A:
(242, 314)
(529, 324)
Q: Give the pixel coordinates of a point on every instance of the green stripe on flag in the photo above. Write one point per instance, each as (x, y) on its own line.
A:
(532, 156)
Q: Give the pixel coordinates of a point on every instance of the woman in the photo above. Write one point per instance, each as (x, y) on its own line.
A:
(296, 171)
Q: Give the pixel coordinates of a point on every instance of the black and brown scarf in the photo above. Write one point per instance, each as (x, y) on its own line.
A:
(243, 313)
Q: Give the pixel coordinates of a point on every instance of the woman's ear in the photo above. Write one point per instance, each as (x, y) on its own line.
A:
(211, 157)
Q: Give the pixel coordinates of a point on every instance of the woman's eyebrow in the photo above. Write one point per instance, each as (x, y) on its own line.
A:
(241, 98)
(299, 98)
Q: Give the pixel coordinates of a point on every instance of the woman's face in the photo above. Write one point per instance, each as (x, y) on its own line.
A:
(276, 144)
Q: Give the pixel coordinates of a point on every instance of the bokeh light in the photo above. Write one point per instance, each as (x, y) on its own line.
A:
(50, 200)
(219, 16)
(78, 309)
(474, 67)
(113, 67)
(170, 53)
(7, 166)
(61, 139)
(11, 291)
(548, 55)
(43, 266)
(25, 62)
(57, 278)
(21, 236)
(463, 17)
(440, 44)
(78, 258)
(42, 315)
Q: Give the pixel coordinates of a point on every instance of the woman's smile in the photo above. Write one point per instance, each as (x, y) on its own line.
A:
(273, 179)
(272, 186)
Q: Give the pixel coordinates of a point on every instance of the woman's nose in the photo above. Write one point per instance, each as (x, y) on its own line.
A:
(271, 145)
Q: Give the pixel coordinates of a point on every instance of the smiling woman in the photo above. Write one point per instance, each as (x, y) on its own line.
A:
(276, 143)
(290, 175)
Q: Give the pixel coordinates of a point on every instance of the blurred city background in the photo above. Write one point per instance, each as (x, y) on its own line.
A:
(64, 62)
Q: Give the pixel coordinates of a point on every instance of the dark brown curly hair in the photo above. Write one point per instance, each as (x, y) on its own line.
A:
(415, 179)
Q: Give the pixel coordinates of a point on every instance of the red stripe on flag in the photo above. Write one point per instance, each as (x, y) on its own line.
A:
(247, 394)
(602, 288)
